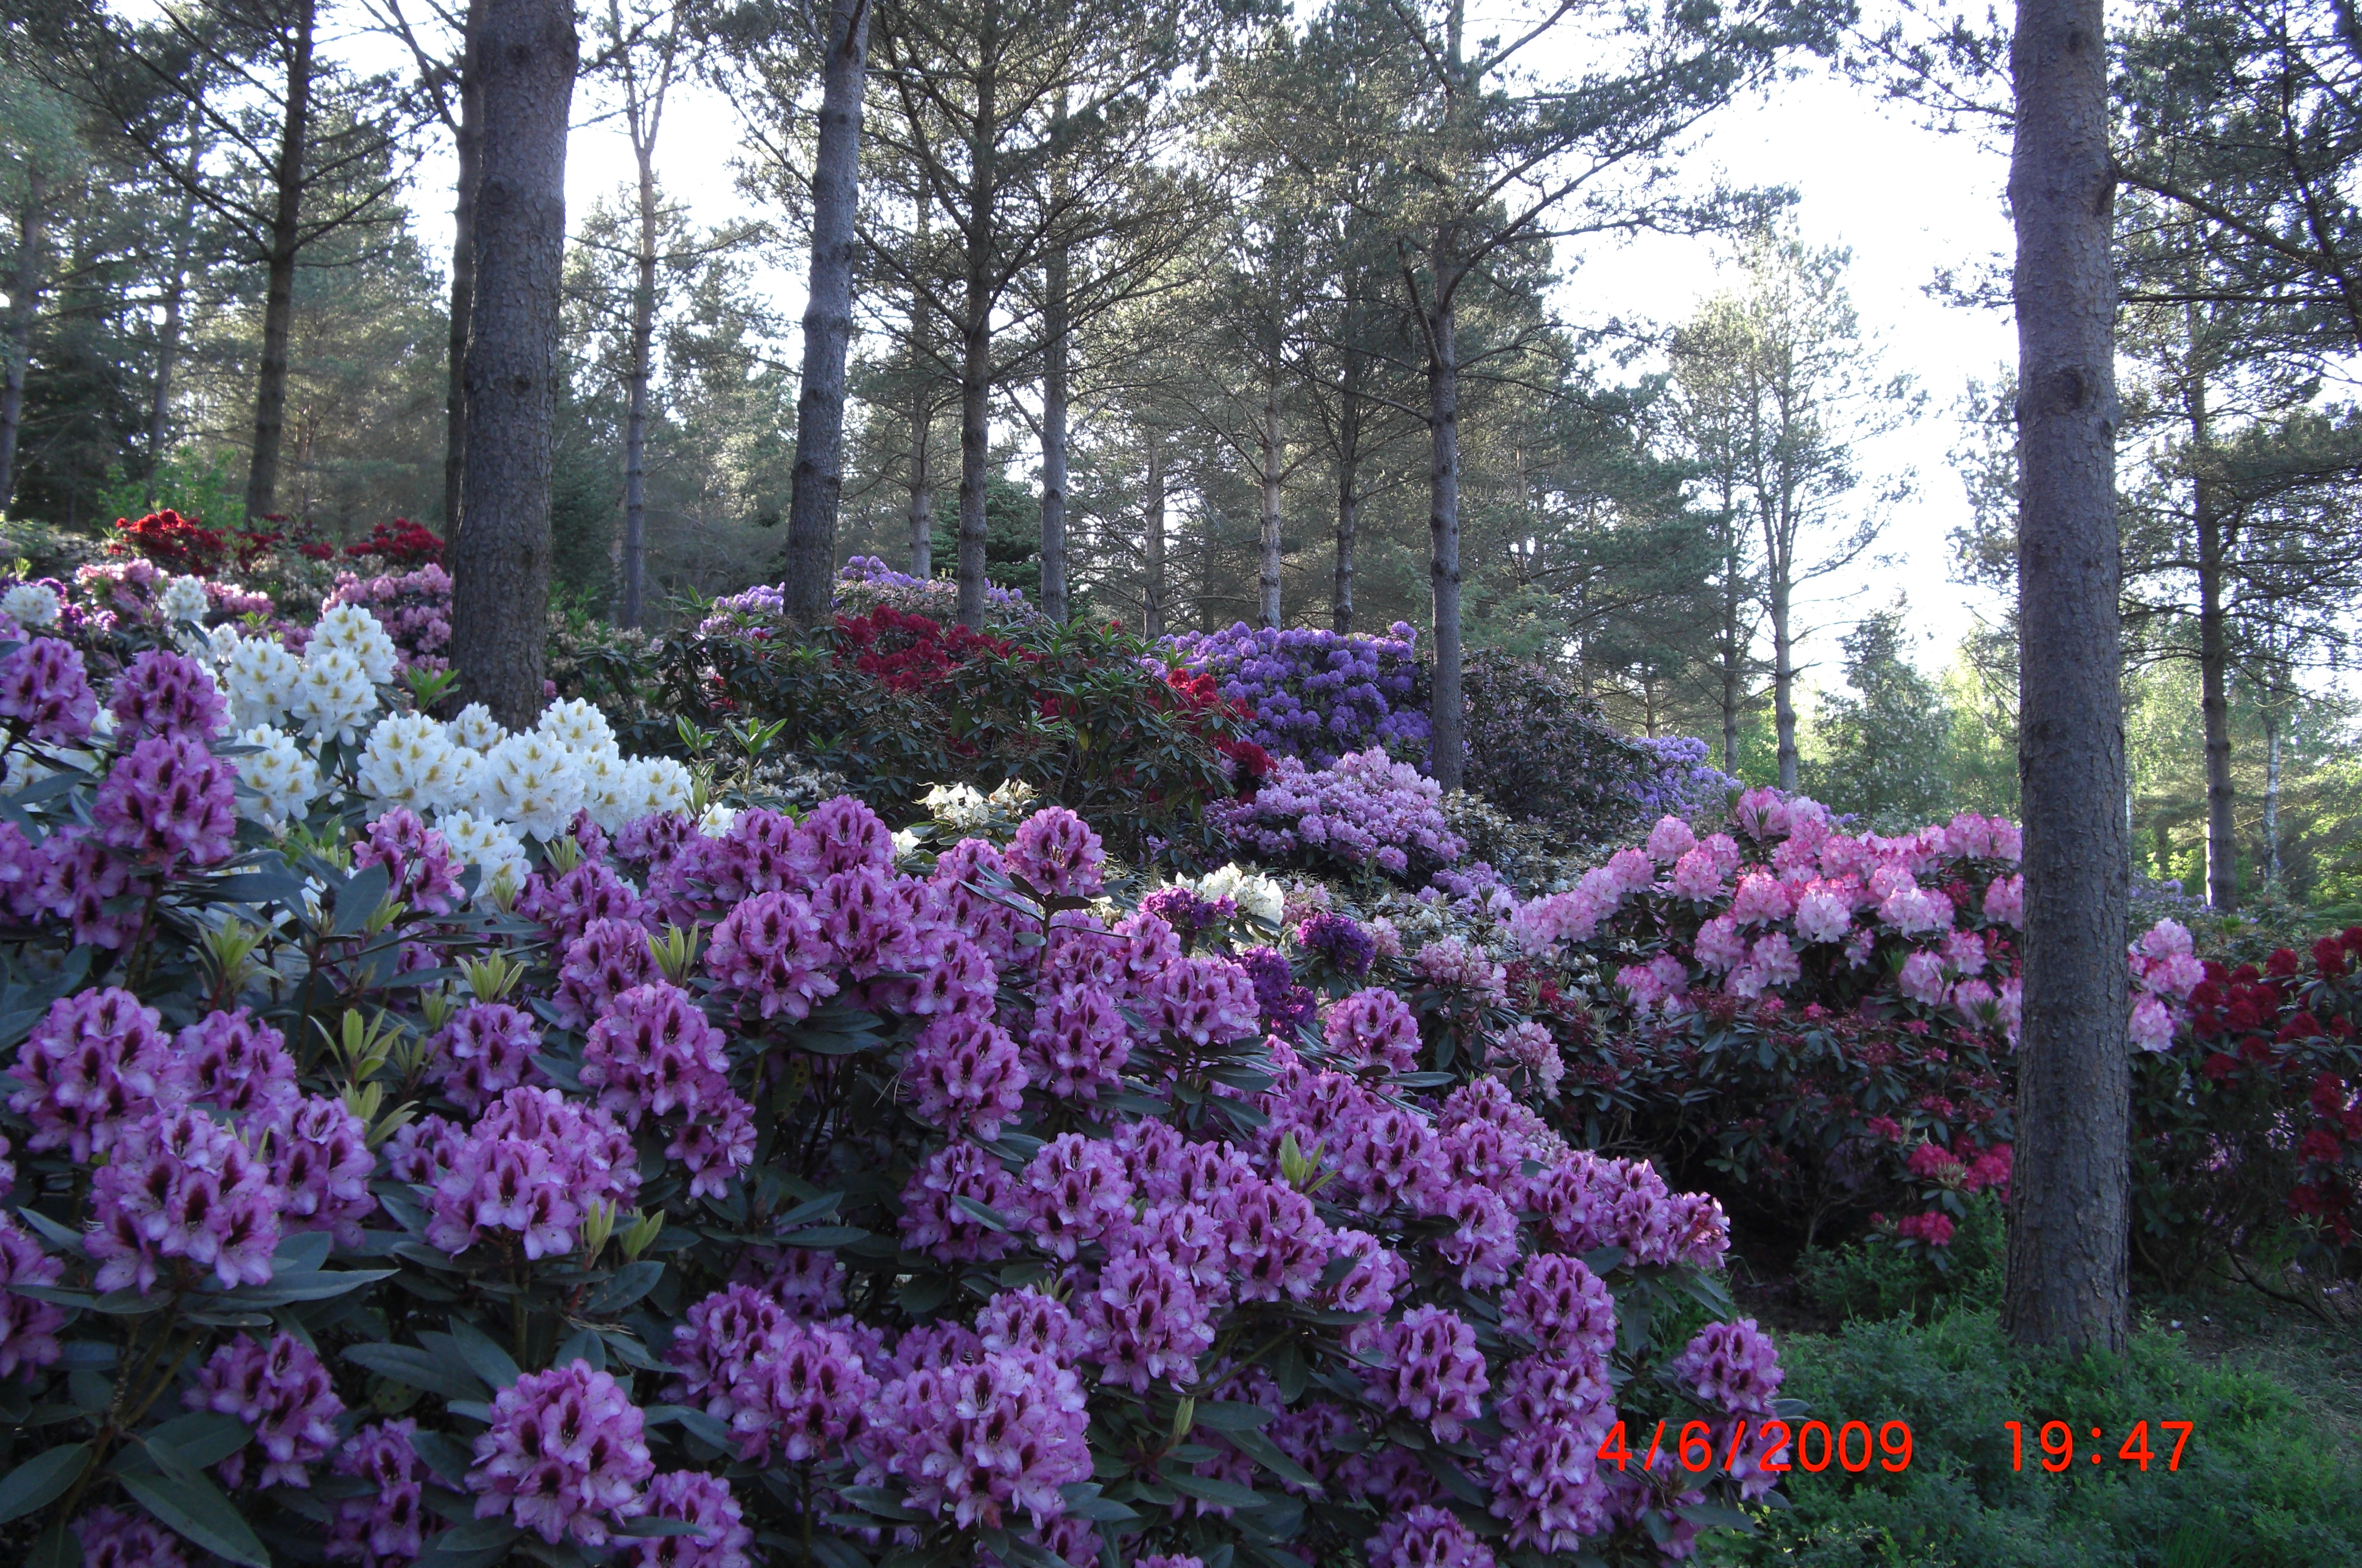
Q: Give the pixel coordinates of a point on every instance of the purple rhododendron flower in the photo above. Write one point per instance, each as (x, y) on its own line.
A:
(168, 798)
(165, 693)
(564, 1457)
(281, 1392)
(95, 1060)
(44, 688)
(179, 1185)
(384, 1527)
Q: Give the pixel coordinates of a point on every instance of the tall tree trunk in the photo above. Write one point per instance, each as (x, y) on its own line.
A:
(1733, 652)
(278, 292)
(635, 416)
(24, 301)
(168, 351)
(1783, 681)
(1054, 393)
(922, 496)
(1447, 745)
(2272, 869)
(499, 562)
(1151, 590)
(976, 359)
(2069, 1195)
(819, 478)
(1349, 524)
(466, 145)
(2213, 664)
(1267, 447)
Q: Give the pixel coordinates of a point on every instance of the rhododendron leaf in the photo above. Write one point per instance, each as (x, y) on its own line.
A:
(1604, 1261)
(302, 1252)
(1083, 1501)
(835, 1552)
(984, 1214)
(265, 884)
(130, 1302)
(1421, 1081)
(645, 1528)
(42, 1479)
(199, 1440)
(357, 899)
(696, 1423)
(194, 1506)
(880, 1501)
(583, 1345)
(1231, 1415)
(1454, 1480)
(55, 1548)
(485, 1358)
(444, 1454)
(824, 1236)
(820, 1208)
(1268, 1453)
(630, 1283)
(316, 1286)
(415, 1367)
(62, 1237)
(921, 1294)
(1288, 1370)
(1205, 1489)
(477, 1543)
(1715, 1515)
(1019, 1548)
(56, 1294)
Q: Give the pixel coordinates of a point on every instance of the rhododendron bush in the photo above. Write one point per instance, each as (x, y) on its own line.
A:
(567, 1176)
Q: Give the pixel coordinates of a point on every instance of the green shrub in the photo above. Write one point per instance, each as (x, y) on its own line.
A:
(1875, 1279)
(2258, 1486)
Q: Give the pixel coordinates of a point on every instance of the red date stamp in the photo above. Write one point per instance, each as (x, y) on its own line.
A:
(1770, 1447)
(1773, 1446)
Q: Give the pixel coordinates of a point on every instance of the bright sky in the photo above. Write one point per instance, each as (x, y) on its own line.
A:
(1908, 200)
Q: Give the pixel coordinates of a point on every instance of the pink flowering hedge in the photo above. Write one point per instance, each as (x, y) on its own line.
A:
(763, 1197)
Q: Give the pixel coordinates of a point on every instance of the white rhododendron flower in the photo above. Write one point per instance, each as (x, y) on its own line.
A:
(665, 784)
(578, 726)
(904, 843)
(260, 676)
(409, 761)
(1014, 795)
(488, 844)
(31, 605)
(532, 781)
(614, 791)
(958, 805)
(718, 819)
(357, 632)
(476, 729)
(333, 696)
(283, 775)
(1255, 894)
(183, 599)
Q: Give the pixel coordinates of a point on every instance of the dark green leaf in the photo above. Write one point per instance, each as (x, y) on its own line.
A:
(410, 1366)
(880, 1501)
(696, 1422)
(319, 1285)
(1272, 1457)
(201, 1439)
(305, 1252)
(630, 1283)
(357, 900)
(1715, 1515)
(196, 1508)
(1231, 1414)
(42, 1479)
(484, 1358)
(1225, 1492)
(64, 1238)
(444, 1454)
(820, 1208)
(823, 1236)
(646, 1528)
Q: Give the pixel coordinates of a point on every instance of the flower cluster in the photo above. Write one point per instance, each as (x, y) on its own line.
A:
(1363, 810)
(1317, 696)
(281, 1392)
(414, 605)
(564, 1457)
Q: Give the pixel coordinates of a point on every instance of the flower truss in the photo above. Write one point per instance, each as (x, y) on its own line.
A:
(1317, 695)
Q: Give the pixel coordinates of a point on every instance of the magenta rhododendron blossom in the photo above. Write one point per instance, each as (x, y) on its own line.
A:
(44, 688)
(565, 1456)
(168, 800)
(386, 1526)
(281, 1392)
(180, 1187)
(1733, 1366)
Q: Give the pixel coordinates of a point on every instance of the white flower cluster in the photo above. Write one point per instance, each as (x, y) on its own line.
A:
(184, 600)
(31, 605)
(1256, 894)
(964, 807)
(482, 785)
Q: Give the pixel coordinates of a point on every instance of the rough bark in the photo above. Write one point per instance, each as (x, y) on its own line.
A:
(1268, 450)
(2069, 1191)
(279, 292)
(1055, 394)
(1446, 743)
(466, 139)
(1152, 589)
(2272, 868)
(24, 301)
(819, 478)
(1732, 647)
(167, 350)
(500, 561)
(2213, 663)
(643, 357)
(922, 496)
(1783, 681)
(978, 239)
(1349, 524)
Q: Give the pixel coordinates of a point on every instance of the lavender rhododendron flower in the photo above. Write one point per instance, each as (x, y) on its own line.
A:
(565, 1456)
(168, 800)
(384, 1527)
(28, 1328)
(484, 1051)
(281, 1392)
(981, 1438)
(44, 688)
(113, 1538)
(722, 1537)
(1732, 1366)
(95, 1060)
(178, 1185)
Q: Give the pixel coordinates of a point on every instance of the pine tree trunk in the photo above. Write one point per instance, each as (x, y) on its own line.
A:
(499, 562)
(819, 478)
(278, 292)
(1055, 328)
(2070, 1193)
(636, 417)
(467, 144)
(1151, 590)
(1783, 681)
(976, 361)
(168, 351)
(922, 496)
(2214, 676)
(1447, 743)
(1734, 656)
(24, 301)
(1349, 504)
(2272, 869)
(1267, 446)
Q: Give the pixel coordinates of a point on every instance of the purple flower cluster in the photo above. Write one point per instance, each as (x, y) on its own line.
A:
(420, 868)
(1426, 1537)
(564, 1457)
(528, 1169)
(1375, 1029)
(415, 607)
(180, 1186)
(1056, 853)
(1078, 1043)
(979, 1435)
(1340, 939)
(653, 1052)
(1186, 913)
(165, 693)
(1362, 809)
(799, 1389)
(609, 958)
(28, 1328)
(705, 1501)
(384, 1527)
(44, 688)
(281, 1392)
(1684, 784)
(1317, 695)
(1432, 1370)
(965, 1075)
(96, 1059)
(1731, 1367)
(166, 800)
(482, 1052)
(320, 1159)
(1285, 1006)
(113, 1538)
